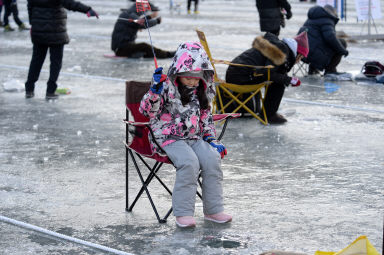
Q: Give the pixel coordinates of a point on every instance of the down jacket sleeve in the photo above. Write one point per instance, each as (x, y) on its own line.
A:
(206, 123)
(150, 105)
(76, 6)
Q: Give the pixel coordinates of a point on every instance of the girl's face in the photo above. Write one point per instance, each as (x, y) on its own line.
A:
(189, 81)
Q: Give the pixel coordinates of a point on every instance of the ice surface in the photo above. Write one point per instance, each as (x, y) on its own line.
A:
(314, 183)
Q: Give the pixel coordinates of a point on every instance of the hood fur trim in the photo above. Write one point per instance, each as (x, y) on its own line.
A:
(269, 50)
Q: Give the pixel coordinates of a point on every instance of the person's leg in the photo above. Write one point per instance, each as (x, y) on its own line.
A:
(276, 32)
(7, 11)
(189, 6)
(137, 50)
(196, 6)
(272, 100)
(212, 177)
(56, 57)
(39, 53)
(335, 60)
(1, 9)
(187, 170)
(313, 70)
(15, 13)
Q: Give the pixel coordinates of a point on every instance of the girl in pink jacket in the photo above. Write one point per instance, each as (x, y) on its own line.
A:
(179, 108)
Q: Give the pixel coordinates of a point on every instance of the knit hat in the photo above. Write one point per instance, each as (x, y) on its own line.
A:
(292, 44)
(331, 10)
(302, 43)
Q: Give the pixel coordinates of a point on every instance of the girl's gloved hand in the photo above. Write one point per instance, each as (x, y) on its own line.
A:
(158, 79)
(216, 144)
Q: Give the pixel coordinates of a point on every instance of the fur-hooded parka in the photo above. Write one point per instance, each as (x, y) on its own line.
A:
(266, 50)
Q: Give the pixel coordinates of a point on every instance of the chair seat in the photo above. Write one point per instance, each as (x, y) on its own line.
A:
(239, 94)
(244, 88)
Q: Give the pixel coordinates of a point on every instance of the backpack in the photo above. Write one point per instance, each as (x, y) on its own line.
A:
(372, 69)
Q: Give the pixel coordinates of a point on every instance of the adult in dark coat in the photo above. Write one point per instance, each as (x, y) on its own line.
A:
(326, 49)
(48, 19)
(125, 33)
(270, 50)
(271, 16)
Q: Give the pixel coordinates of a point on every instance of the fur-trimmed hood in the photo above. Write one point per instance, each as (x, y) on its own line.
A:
(269, 50)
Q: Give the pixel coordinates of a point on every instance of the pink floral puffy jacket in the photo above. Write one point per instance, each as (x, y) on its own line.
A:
(169, 119)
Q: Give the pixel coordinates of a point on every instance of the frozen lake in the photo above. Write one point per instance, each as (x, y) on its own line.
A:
(314, 183)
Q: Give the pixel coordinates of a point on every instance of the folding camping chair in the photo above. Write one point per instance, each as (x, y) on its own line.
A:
(235, 91)
(301, 67)
(138, 146)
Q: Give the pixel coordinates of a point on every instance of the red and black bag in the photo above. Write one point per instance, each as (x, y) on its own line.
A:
(372, 68)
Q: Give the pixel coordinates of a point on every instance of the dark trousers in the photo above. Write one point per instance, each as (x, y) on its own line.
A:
(273, 99)
(335, 60)
(9, 9)
(189, 4)
(138, 50)
(37, 61)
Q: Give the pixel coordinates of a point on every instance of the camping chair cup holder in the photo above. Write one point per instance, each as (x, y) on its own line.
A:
(138, 147)
(240, 94)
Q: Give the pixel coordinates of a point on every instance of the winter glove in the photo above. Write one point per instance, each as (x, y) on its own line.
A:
(158, 20)
(158, 78)
(346, 53)
(141, 22)
(216, 144)
(295, 82)
(288, 15)
(92, 13)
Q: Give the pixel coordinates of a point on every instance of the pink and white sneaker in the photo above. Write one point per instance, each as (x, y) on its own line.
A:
(185, 221)
(218, 217)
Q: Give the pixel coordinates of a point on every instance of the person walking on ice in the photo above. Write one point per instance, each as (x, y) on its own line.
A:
(10, 7)
(49, 31)
(196, 7)
(180, 115)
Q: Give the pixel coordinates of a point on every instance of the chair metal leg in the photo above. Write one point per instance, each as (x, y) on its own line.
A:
(145, 188)
(126, 163)
(154, 173)
(149, 178)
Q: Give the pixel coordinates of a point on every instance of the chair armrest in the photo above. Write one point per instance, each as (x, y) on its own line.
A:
(136, 124)
(226, 117)
(219, 117)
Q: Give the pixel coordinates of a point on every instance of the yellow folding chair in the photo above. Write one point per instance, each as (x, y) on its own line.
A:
(235, 91)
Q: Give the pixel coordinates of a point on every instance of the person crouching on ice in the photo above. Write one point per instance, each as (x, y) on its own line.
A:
(180, 115)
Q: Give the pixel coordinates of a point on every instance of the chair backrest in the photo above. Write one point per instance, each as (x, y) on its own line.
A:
(134, 92)
(204, 43)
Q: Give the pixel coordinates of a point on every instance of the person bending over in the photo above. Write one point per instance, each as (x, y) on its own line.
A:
(270, 50)
(326, 49)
